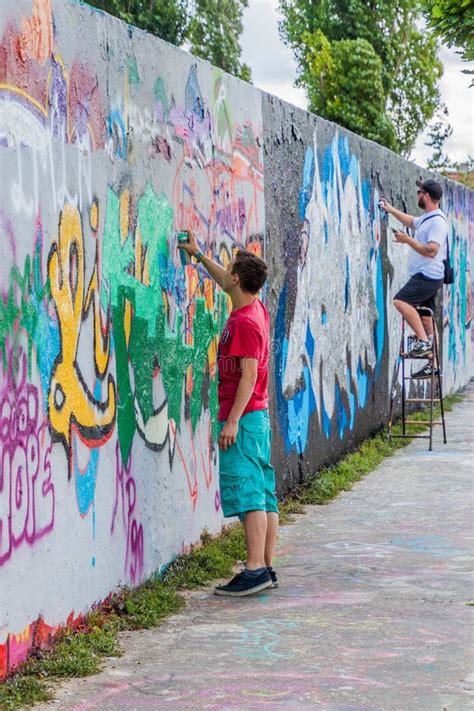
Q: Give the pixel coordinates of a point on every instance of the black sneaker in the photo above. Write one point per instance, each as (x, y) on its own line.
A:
(421, 349)
(242, 585)
(425, 373)
(273, 575)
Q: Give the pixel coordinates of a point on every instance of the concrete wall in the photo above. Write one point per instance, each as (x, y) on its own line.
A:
(109, 140)
(335, 270)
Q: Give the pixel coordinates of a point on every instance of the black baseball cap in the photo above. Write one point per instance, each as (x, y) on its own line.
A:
(432, 187)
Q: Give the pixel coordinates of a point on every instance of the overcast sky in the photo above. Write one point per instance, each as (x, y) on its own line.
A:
(274, 70)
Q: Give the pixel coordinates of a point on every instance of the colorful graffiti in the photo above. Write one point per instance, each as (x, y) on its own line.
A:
(108, 343)
(126, 501)
(336, 332)
(27, 493)
(335, 339)
(71, 404)
(457, 297)
(16, 648)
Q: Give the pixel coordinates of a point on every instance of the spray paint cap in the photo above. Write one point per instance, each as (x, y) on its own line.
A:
(183, 237)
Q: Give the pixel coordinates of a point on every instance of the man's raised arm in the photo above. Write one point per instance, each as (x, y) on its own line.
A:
(406, 220)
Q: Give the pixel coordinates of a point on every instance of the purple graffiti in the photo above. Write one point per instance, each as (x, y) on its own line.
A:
(126, 500)
(58, 100)
(27, 497)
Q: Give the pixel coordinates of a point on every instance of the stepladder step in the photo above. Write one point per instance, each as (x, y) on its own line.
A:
(407, 356)
(423, 422)
(422, 399)
(431, 397)
(424, 380)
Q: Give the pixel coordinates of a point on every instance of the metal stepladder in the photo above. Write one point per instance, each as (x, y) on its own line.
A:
(434, 381)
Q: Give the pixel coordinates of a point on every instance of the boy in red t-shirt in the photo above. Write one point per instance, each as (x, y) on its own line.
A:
(247, 478)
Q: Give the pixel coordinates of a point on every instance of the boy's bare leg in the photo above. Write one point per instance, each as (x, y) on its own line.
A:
(255, 527)
(270, 540)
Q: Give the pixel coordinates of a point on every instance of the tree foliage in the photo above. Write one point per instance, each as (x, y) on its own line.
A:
(168, 19)
(211, 28)
(438, 134)
(344, 83)
(453, 22)
(214, 32)
(409, 69)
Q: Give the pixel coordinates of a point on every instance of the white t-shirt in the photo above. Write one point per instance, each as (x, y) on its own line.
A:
(431, 227)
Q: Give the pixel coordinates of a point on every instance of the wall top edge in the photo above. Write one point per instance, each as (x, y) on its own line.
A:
(134, 30)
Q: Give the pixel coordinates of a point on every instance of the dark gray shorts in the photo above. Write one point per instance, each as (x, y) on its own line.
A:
(420, 290)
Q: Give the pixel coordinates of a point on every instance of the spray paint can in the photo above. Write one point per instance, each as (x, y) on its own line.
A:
(383, 214)
(183, 238)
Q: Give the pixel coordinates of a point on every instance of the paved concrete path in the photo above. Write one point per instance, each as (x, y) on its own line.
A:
(372, 610)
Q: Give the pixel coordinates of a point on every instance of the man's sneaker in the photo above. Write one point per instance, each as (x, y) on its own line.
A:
(421, 349)
(425, 373)
(273, 575)
(243, 584)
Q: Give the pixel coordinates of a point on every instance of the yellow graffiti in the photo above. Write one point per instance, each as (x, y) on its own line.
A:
(124, 214)
(24, 94)
(71, 403)
(94, 216)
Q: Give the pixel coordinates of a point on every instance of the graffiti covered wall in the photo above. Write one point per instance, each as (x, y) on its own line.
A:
(109, 141)
(108, 343)
(458, 333)
(335, 272)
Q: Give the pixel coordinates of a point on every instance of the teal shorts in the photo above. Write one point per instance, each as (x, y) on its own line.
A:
(246, 477)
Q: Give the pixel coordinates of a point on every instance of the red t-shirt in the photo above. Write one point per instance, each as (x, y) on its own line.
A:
(246, 334)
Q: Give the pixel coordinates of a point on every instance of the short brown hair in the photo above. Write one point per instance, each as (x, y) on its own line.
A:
(251, 270)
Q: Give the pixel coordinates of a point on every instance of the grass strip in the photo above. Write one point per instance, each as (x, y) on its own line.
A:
(81, 653)
(355, 465)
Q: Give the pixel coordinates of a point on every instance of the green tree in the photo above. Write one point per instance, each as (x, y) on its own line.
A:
(344, 84)
(214, 32)
(168, 19)
(453, 22)
(409, 67)
(211, 28)
(438, 134)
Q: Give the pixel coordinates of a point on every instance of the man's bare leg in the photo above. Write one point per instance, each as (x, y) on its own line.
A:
(412, 317)
(427, 322)
(428, 326)
(270, 540)
(255, 527)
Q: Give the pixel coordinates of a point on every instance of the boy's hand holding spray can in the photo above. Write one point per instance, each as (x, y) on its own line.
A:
(188, 247)
(183, 238)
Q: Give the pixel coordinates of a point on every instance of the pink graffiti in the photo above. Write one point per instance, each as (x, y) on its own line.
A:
(126, 500)
(191, 462)
(27, 497)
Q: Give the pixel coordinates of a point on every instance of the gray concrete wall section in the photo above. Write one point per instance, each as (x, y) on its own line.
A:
(373, 611)
(335, 272)
(111, 140)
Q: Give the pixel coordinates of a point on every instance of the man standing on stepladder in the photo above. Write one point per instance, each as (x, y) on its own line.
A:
(425, 266)
(246, 476)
